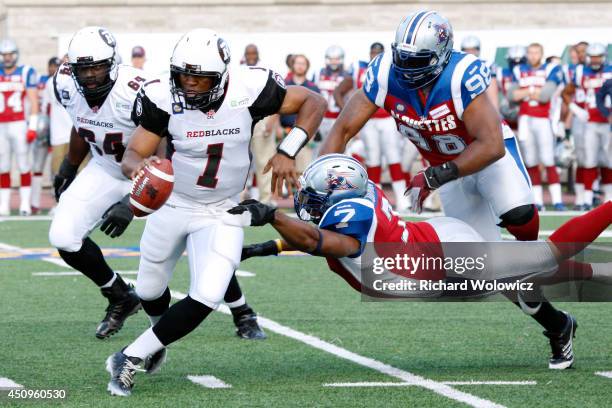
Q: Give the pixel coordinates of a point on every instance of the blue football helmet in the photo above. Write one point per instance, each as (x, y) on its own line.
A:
(325, 182)
(423, 45)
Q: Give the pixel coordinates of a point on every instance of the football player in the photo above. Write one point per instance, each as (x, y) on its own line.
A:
(508, 108)
(327, 79)
(206, 111)
(18, 82)
(351, 211)
(41, 146)
(99, 95)
(534, 84)
(379, 135)
(593, 147)
(437, 97)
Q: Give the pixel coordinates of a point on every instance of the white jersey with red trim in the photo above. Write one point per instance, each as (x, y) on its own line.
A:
(327, 81)
(107, 128)
(13, 88)
(588, 83)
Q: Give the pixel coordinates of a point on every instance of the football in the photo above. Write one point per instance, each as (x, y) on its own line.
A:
(151, 188)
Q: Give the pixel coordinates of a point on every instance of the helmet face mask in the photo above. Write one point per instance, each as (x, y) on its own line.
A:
(195, 99)
(10, 53)
(93, 79)
(310, 205)
(422, 48)
(596, 55)
(334, 58)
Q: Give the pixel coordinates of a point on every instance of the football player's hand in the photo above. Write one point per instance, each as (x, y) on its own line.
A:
(64, 177)
(143, 164)
(116, 219)
(418, 190)
(283, 170)
(261, 214)
(30, 136)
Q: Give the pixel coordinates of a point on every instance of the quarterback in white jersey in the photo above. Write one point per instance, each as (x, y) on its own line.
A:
(103, 124)
(207, 111)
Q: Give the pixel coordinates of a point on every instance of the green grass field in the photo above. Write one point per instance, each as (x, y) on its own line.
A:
(47, 328)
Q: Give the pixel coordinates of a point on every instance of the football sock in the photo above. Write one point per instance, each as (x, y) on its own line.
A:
(579, 187)
(90, 262)
(580, 231)
(110, 282)
(555, 193)
(238, 303)
(374, 174)
(528, 231)
(551, 319)
(155, 308)
(233, 293)
(36, 189)
(180, 319)
(144, 346)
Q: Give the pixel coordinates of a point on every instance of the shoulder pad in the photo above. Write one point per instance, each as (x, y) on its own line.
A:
(352, 217)
(376, 82)
(157, 90)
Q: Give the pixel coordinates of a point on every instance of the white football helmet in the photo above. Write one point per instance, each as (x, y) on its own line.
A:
(326, 181)
(517, 54)
(596, 50)
(422, 47)
(334, 57)
(9, 47)
(92, 48)
(200, 52)
(471, 42)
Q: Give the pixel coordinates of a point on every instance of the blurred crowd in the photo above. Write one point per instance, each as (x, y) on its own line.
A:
(560, 113)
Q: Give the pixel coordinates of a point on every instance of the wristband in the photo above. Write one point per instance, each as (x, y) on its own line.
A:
(279, 245)
(439, 175)
(293, 142)
(33, 122)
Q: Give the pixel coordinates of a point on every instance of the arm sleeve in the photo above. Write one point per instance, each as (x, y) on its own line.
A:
(547, 91)
(271, 97)
(371, 86)
(349, 218)
(475, 81)
(148, 115)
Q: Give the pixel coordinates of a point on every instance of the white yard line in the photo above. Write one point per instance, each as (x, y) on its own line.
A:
(8, 383)
(208, 381)
(607, 374)
(76, 273)
(406, 384)
(315, 342)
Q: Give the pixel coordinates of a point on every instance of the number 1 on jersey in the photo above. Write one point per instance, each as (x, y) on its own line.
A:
(209, 177)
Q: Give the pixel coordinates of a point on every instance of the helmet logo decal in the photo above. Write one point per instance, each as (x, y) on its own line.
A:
(224, 51)
(336, 180)
(442, 32)
(107, 37)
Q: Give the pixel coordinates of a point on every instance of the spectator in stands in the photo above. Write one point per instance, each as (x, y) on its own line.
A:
(251, 55)
(297, 76)
(138, 57)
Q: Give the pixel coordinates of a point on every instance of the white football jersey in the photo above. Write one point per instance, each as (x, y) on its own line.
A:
(210, 149)
(106, 128)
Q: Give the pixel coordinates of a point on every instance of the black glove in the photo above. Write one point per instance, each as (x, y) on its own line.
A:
(261, 249)
(261, 214)
(64, 177)
(117, 218)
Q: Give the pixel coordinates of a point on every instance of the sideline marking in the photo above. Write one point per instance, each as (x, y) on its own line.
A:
(406, 384)
(208, 381)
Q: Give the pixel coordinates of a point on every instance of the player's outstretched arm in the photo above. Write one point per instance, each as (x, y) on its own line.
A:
(354, 115)
(298, 235)
(483, 124)
(310, 108)
(139, 151)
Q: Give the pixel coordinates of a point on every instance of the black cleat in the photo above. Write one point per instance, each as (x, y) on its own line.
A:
(247, 327)
(562, 345)
(122, 303)
(122, 370)
(154, 361)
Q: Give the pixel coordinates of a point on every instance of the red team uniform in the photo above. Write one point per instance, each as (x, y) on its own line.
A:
(534, 128)
(13, 131)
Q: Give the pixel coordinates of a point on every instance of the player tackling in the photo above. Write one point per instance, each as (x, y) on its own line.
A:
(206, 111)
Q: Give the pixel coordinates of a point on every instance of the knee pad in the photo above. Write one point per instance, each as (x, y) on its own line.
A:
(62, 239)
(152, 280)
(518, 216)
